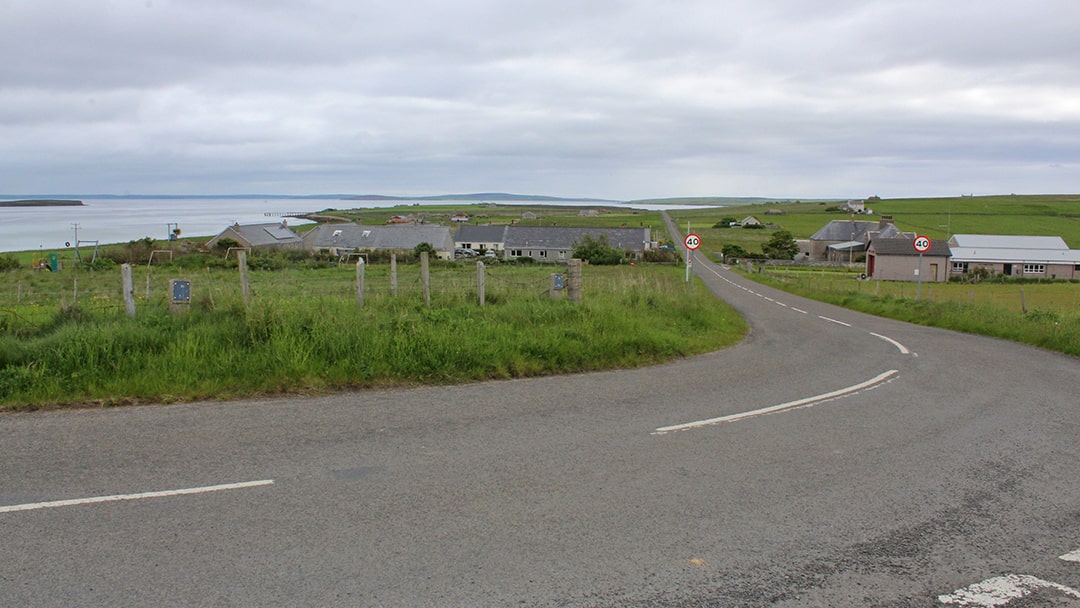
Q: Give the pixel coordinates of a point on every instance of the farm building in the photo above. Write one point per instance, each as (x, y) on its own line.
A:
(838, 240)
(340, 239)
(1046, 257)
(263, 237)
(895, 259)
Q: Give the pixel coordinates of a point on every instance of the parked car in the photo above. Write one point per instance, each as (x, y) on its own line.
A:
(464, 253)
(490, 253)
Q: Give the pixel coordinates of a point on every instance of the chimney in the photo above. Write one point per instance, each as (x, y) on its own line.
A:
(885, 221)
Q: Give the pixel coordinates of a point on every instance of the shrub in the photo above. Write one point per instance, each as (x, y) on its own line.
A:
(597, 251)
(8, 262)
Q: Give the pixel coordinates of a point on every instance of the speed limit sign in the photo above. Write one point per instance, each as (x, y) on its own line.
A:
(692, 241)
(922, 244)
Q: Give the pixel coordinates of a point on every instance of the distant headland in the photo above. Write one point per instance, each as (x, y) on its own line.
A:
(41, 202)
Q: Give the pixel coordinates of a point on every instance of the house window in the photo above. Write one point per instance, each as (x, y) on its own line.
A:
(562, 255)
(959, 267)
(1034, 268)
(543, 253)
(516, 253)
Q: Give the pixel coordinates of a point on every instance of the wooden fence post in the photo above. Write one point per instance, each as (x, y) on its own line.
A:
(245, 287)
(481, 282)
(129, 289)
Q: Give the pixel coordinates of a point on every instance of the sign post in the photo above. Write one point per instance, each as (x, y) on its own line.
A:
(692, 242)
(922, 245)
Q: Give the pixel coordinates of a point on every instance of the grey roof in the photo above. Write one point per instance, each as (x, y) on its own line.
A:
(906, 246)
(564, 237)
(397, 237)
(480, 234)
(996, 241)
(1007, 249)
(265, 234)
(845, 230)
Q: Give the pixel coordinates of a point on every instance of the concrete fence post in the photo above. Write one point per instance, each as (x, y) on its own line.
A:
(425, 277)
(129, 289)
(360, 282)
(573, 280)
(481, 282)
(245, 287)
(393, 274)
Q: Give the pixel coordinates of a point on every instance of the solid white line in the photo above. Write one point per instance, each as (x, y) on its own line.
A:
(903, 349)
(1072, 556)
(799, 310)
(834, 321)
(776, 408)
(1001, 590)
(119, 497)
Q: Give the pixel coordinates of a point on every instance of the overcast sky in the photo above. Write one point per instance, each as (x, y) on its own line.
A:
(621, 99)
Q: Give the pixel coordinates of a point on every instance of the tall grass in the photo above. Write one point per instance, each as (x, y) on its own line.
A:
(287, 341)
(1054, 325)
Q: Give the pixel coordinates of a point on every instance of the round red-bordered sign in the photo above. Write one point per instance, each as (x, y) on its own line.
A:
(692, 241)
(922, 244)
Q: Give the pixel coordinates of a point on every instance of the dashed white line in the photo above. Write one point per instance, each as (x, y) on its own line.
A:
(777, 408)
(903, 349)
(782, 304)
(799, 310)
(119, 497)
(1072, 556)
(835, 321)
(1001, 590)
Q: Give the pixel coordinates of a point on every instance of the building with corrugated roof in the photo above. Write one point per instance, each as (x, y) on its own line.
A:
(1046, 257)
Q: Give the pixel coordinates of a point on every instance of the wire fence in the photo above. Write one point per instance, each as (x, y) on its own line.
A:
(102, 291)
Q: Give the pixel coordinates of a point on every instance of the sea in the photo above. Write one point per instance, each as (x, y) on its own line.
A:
(123, 219)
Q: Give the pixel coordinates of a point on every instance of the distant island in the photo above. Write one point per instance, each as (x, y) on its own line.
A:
(41, 202)
(478, 197)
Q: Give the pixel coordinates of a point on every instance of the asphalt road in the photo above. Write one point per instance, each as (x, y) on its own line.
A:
(877, 464)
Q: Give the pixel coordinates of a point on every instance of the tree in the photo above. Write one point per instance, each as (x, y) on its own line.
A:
(781, 246)
(732, 251)
(425, 246)
(597, 251)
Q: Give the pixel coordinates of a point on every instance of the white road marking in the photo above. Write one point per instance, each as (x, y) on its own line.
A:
(769, 299)
(835, 321)
(799, 310)
(1001, 590)
(119, 497)
(903, 349)
(776, 408)
(782, 304)
(1072, 556)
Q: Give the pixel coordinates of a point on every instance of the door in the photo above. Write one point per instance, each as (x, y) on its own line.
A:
(933, 272)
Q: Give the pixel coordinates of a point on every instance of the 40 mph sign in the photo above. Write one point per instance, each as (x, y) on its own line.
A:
(692, 241)
(922, 244)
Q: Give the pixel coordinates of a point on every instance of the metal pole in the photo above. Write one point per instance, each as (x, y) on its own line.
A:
(918, 273)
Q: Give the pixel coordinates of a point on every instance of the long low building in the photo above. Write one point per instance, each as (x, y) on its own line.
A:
(548, 243)
(340, 239)
(1046, 257)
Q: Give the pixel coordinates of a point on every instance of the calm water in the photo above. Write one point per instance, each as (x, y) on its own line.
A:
(123, 220)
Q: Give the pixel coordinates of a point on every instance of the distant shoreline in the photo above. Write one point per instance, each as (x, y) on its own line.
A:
(41, 202)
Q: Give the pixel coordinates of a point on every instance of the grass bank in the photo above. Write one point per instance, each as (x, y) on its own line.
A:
(303, 333)
(1046, 315)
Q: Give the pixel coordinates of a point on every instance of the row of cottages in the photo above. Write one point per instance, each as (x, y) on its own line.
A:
(548, 243)
(1044, 257)
(340, 239)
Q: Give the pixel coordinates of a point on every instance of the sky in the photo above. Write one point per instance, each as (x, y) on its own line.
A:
(618, 99)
